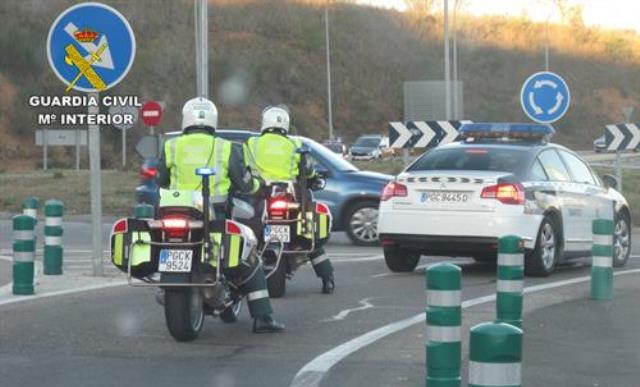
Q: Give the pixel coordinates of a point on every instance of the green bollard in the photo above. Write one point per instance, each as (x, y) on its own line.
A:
(602, 260)
(30, 207)
(53, 231)
(143, 211)
(444, 317)
(495, 355)
(24, 251)
(510, 280)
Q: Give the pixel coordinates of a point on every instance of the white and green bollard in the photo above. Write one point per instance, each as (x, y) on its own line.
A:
(602, 260)
(510, 280)
(24, 252)
(53, 211)
(30, 207)
(444, 317)
(495, 355)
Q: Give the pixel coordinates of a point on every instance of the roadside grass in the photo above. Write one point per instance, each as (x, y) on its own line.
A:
(72, 188)
(391, 166)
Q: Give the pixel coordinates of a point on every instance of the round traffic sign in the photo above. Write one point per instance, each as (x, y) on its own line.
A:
(124, 110)
(151, 112)
(545, 97)
(91, 47)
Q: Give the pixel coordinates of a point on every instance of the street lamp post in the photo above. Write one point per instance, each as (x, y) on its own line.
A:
(328, 57)
(447, 75)
(456, 113)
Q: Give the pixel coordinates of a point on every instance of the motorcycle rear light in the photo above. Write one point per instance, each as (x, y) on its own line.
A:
(148, 173)
(175, 226)
(278, 208)
(394, 189)
(232, 228)
(322, 208)
(121, 226)
(505, 193)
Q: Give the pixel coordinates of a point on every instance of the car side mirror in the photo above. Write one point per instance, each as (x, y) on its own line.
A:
(321, 172)
(318, 184)
(610, 181)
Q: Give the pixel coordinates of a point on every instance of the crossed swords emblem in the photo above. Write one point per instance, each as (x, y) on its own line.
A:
(74, 58)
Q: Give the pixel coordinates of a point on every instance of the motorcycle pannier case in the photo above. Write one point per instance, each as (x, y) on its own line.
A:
(130, 242)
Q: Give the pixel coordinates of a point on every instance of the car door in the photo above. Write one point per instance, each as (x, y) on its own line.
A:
(588, 197)
(566, 194)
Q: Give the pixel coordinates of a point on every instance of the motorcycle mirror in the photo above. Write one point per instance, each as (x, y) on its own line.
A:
(242, 210)
(148, 147)
(303, 150)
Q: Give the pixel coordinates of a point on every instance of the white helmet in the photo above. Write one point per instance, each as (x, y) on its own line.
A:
(275, 117)
(199, 112)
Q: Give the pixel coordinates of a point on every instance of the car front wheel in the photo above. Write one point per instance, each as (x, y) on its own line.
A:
(621, 240)
(542, 261)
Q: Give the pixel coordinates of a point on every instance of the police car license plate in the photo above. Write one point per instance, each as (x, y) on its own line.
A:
(444, 197)
(277, 233)
(175, 261)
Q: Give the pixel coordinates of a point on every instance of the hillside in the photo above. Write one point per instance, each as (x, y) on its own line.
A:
(264, 52)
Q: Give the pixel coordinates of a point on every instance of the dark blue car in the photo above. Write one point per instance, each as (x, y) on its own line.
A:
(352, 195)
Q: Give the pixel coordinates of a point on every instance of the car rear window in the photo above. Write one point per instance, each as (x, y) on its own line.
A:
(471, 159)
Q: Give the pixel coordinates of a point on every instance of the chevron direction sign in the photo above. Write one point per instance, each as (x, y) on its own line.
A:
(423, 134)
(622, 137)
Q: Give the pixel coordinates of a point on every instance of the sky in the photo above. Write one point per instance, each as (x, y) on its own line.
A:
(613, 14)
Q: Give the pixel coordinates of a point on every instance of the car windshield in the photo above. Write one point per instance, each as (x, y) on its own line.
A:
(471, 159)
(367, 142)
(323, 152)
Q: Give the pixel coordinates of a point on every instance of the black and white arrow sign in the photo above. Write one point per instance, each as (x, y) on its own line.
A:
(423, 134)
(622, 137)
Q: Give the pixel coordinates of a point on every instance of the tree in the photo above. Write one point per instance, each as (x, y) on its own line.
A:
(570, 12)
(424, 7)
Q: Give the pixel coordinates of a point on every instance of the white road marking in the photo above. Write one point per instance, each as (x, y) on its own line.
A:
(354, 260)
(6, 258)
(364, 305)
(61, 292)
(6, 289)
(314, 371)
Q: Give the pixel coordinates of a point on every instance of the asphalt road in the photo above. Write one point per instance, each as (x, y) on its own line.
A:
(117, 336)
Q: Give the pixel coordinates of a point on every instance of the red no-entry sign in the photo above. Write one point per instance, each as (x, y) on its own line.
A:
(151, 113)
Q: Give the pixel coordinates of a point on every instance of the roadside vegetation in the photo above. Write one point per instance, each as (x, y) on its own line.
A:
(268, 52)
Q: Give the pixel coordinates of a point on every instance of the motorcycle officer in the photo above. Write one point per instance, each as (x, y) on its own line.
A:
(275, 156)
(198, 146)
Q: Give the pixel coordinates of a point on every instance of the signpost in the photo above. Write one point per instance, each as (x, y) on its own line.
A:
(91, 48)
(423, 134)
(545, 97)
(622, 137)
(151, 113)
(124, 110)
(53, 137)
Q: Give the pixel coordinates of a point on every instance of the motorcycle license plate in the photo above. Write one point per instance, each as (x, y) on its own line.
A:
(277, 233)
(175, 261)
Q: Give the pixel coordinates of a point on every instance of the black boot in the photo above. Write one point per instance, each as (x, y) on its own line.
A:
(266, 324)
(328, 285)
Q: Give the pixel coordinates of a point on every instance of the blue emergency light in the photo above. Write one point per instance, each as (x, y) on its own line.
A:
(505, 130)
(205, 171)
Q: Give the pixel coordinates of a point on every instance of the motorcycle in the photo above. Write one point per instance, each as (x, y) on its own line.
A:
(293, 228)
(186, 256)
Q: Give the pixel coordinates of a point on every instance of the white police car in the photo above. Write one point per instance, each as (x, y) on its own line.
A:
(458, 199)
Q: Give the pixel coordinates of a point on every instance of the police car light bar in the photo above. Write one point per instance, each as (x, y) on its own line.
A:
(205, 171)
(536, 132)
